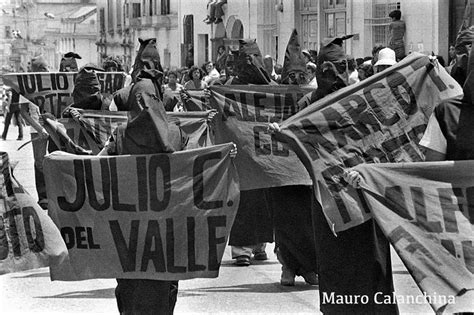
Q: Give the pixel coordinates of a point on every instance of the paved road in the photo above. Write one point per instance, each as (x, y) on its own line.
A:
(238, 290)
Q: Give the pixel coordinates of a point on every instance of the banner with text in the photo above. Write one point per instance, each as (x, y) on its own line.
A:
(244, 114)
(52, 91)
(28, 237)
(426, 210)
(380, 119)
(162, 216)
(93, 128)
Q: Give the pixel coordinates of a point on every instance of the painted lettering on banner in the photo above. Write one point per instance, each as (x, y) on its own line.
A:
(379, 120)
(163, 216)
(244, 114)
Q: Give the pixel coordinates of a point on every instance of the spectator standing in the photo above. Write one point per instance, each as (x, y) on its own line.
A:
(353, 73)
(212, 73)
(195, 82)
(11, 107)
(171, 90)
(311, 74)
(221, 59)
(397, 30)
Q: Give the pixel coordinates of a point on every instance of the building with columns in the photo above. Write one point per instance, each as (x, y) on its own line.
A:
(183, 36)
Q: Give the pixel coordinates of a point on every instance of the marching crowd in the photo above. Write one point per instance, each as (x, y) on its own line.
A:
(357, 261)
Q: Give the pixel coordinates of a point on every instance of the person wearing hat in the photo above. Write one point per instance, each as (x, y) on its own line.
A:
(357, 261)
(68, 62)
(385, 59)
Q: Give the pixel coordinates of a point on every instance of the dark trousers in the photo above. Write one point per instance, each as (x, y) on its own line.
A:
(39, 151)
(8, 119)
(146, 297)
(356, 262)
(293, 223)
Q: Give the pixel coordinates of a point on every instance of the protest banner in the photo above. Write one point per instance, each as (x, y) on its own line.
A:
(161, 216)
(380, 119)
(52, 91)
(196, 100)
(93, 128)
(28, 237)
(244, 114)
(426, 210)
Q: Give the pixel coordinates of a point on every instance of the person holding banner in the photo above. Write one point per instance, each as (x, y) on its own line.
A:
(252, 226)
(39, 136)
(448, 135)
(293, 221)
(356, 262)
(143, 296)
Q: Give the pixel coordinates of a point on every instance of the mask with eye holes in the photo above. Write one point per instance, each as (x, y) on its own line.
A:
(248, 64)
(294, 64)
(148, 130)
(148, 60)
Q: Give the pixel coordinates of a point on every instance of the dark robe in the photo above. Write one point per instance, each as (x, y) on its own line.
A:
(146, 132)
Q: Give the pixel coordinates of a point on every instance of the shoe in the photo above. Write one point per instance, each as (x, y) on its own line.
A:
(4, 138)
(311, 278)
(19, 138)
(242, 261)
(260, 256)
(287, 277)
(43, 203)
(217, 21)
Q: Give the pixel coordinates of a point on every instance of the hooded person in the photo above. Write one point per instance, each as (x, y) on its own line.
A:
(147, 57)
(248, 64)
(294, 235)
(252, 226)
(86, 93)
(147, 131)
(463, 40)
(332, 72)
(357, 261)
(294, 64)
(68, 62)
(112, 65)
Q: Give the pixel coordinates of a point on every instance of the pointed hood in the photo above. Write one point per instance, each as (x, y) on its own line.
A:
(86, 92)
(147, 57)
(148, 130)
(294, 58)
(248, 65)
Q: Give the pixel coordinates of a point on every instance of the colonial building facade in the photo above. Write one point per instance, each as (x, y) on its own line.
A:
(184, 38)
